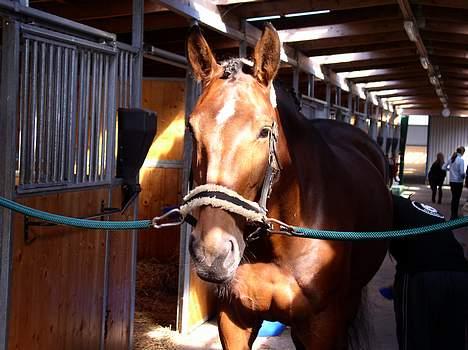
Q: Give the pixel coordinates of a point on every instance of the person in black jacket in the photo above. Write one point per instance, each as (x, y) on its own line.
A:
(436, 177)
(430, 290)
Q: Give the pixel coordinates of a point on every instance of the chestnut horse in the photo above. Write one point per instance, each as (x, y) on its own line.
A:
(333, 176)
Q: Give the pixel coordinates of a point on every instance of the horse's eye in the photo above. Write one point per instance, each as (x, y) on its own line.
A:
(265, 132)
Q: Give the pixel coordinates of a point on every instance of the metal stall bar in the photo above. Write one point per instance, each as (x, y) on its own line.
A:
(49, 111)
(58, 116)
(105, 117)
(93, 115)
(64, 116)
(24, 102)
(71, 111)
(9, 89)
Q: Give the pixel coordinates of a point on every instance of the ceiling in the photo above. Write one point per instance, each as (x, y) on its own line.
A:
(363, 41)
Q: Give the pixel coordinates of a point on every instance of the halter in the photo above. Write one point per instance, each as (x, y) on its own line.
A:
(218, 196)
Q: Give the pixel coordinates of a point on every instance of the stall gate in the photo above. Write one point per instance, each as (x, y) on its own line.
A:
(61, 84)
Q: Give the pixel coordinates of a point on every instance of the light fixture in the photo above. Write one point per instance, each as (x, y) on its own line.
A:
(433, 80)
(309, 13)
(424, 62)
(446, 112)
(410, 30)
(264, 18)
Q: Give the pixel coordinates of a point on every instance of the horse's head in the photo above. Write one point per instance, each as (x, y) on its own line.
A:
(231, 126)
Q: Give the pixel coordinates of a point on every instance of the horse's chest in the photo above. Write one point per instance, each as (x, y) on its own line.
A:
(267, 290)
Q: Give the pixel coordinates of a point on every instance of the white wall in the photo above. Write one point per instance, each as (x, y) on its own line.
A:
(445, 135)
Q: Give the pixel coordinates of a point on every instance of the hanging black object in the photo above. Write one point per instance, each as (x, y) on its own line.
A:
(137, 128)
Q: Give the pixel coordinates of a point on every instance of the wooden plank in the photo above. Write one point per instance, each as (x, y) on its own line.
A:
(202, 301)
(161, 187)
(458, 4)
(357, 43)
(429, 36)
(278, 7)
(120, 274)
(416, 74)
(395, 84)
(374, 64)
(65, 266)
(338, 30)
(446, 27)
(384, 13)
(364, 56)
(89, 10)
(153, 21)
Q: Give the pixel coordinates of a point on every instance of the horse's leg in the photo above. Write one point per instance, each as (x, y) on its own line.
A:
(236, 334)
(326, 330)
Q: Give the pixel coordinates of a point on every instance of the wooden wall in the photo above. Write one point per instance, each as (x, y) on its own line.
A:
(161, 174)
(58, 298)
(160, 180)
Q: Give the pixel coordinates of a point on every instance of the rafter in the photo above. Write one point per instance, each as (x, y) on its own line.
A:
(351, 42)
(278, 7)
(84, 10)
(362, 56)
(338, 30)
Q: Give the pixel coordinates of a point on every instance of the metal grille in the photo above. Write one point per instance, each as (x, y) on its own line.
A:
(126, 57)
(67, 112)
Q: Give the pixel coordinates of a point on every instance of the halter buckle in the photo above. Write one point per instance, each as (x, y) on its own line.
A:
(171, 213)
(277, 226)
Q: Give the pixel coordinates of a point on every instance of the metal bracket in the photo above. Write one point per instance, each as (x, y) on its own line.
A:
(28, 238)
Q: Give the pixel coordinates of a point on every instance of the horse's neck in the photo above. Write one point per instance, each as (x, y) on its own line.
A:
(298, 144)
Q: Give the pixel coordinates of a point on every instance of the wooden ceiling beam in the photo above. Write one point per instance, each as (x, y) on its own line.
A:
(281, 7)
(351, 42)
(445, 27)
(82, 11)
(394, 84)
(403, 44)
(416, 74)
(429, 36)
(364, 56)
(383, 13)
(457, 4)
(339, 30)
(374, 64)
(153, 21)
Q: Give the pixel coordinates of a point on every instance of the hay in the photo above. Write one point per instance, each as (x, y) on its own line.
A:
(156, 290)
(150, 336)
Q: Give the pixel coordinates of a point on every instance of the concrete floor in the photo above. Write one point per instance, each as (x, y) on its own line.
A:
(380, 311)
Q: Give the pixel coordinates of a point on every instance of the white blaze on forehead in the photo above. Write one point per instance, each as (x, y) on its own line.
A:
(229, 108)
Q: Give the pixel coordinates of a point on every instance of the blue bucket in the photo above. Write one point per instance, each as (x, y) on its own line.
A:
(271, 329)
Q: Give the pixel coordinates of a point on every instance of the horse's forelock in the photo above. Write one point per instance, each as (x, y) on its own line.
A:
(233, 66)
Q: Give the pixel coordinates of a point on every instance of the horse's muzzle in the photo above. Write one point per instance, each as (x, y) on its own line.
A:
(215, 266)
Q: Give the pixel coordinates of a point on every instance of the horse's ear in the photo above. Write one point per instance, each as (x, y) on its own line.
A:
(267, 55)
(200, 57)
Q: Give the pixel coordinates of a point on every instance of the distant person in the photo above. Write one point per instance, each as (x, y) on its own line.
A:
(430, 292)
(436, 177)
(456, 167)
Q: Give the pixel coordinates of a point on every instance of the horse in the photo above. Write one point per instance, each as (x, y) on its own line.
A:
(330, 175)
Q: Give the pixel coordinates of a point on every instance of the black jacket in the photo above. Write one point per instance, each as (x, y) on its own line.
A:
(436, 174)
